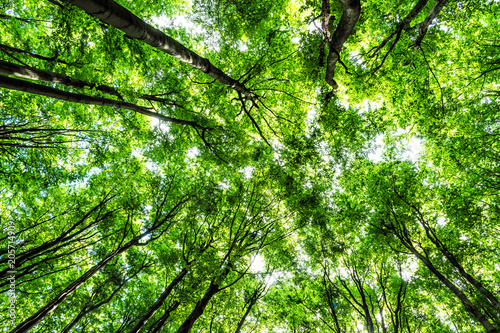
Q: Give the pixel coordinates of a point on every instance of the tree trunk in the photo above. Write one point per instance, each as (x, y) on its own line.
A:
(451, 258)
(152, 310)
(430, 17)
(115, 15)
(8, 49)
(245, 315)
(52, 305)
(32, 73)
(36, 74)
(351, 9)
(198, 309)
(461, 296)
(158, 326)
(253, 300)
(33, 88)
(401, 235)
(63, 237)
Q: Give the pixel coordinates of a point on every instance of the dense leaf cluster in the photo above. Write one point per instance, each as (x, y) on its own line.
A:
(249, 166)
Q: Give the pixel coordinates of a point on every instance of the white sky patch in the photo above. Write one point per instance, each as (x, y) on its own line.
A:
(93, 171)
(296, 40)
(311, 121)
(376, 156)
(414, 147)
(177, 21)
(193, 152)
(151, 166)
(408, 149)
(441, 221)
(258, 264)
(314, 26)
(242, 47)
(370, 105)
(161, 125)
(248, 172)
(224, 185)
(464, 238)
(408, 271)
(277, 146)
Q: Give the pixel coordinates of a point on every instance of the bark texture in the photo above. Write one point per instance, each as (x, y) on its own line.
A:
(26, 325)
(115, 15)
(400, 231)
(430, 17)
(257, 294)
(454, 261)
(351, 9)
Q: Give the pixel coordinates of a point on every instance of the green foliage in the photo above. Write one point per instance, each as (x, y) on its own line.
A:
(278, 201)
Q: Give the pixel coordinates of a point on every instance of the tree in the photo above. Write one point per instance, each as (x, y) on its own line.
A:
(207, 166)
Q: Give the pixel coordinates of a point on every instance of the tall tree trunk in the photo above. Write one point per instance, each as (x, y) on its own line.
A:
(152, 310)
(63, 237)
(245, 315)
(202, 304)
(36, 74)
(158, 326)
(33, 88)
(453, 260)
(401, 233)
(121, 18)
(52, 305)
(461, 296)
(351, 9)
(198, 309)
(257, 294)
(430, 17)
(32, 73)
(26, 325)
(91, 306)
(9, 49)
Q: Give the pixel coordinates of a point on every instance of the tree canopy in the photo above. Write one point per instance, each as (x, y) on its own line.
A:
(250, 166)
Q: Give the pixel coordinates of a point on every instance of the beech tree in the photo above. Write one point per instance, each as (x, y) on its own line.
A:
(249, 166)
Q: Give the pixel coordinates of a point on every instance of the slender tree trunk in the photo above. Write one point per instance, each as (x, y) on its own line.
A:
(52, 305)
(451, 258)
(31, 73)
(468, 305)
(63, 237)
(158, 326)
(430, 17)
(198, 309)
(115, 15)
(75, 321)
(152, 310)
(255, 297)
(351, 9)
(26, 325)
(33, 88)
(245, 315)
(9, 49)
(461, 296)
(91, 306)
(36, 74)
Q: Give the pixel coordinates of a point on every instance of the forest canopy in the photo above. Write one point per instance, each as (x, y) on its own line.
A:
(250, 166)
